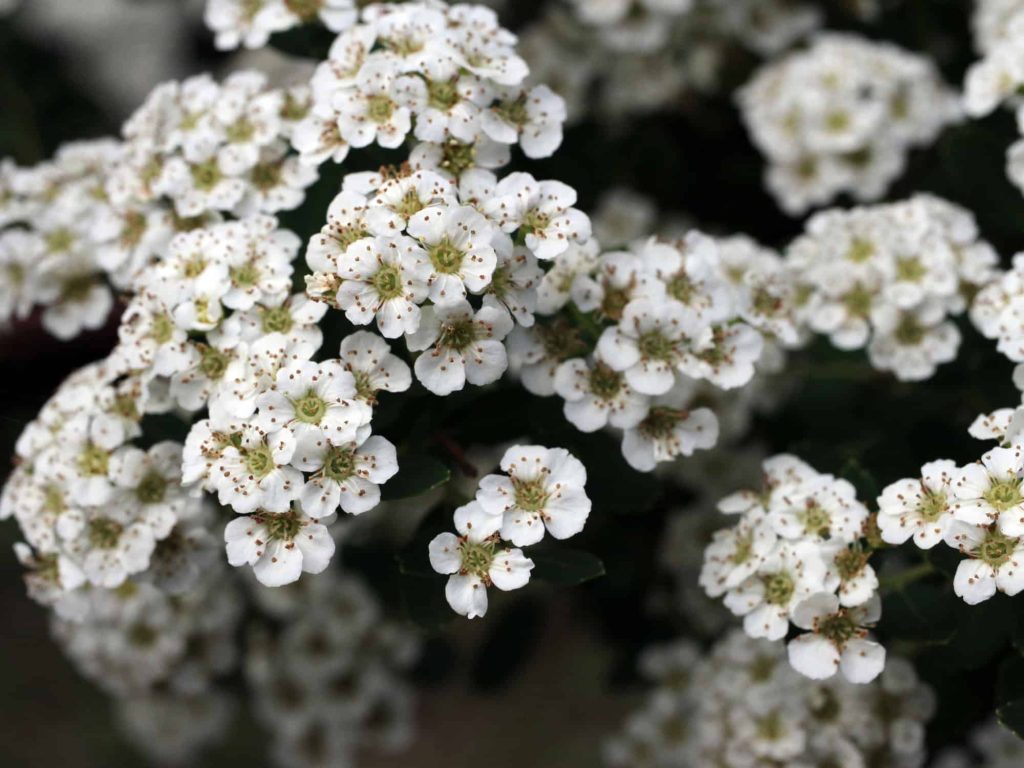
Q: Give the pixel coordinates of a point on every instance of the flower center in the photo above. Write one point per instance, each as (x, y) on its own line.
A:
(778, 588)
(132, 229)
(909, 332)
(247, 274)
(605, 382)
(457, 157)
(910, 269)
(932, 506)
(283, 527)
(661, 422)
(458, 334)
(206, 175)
(681, 287)
(339, 464)
(162, 329)
(531, 495)
(442, 94)
(477, 557)
(446, 258)
(212, 362)
(850, 563)
(277, 320)
(996, 549)
(839, 628)
(104, 533)
(379, 108)
(514, 112)
(59, 240)
(265, 176)
(654, 345)
(310, 408)
(259, 461)
(241, 131)
(816, 521)
(535, 221)
(1004, 495)
(744, 548)
(93, 460)
(858, 301)
(151, 488)
(306, 10)
(388, 282)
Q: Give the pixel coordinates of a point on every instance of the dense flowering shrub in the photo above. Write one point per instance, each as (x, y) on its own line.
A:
(357, 316)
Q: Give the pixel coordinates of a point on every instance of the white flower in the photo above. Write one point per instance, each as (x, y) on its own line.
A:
(345, 475)
(668, 431)
(766, 600)
(989, 491)
(476, 560)
(457, 251)
(316, 402)
(380, 278)
(735, 554)
(253, 472)
(534, 118)
(596, 395)
(542, 210)
(994, 564)
(279, 547)
(651, 341)
(544, 489)
(370, 111)
(922, 508)
(369, 359)
(836, 640)
(461, 346)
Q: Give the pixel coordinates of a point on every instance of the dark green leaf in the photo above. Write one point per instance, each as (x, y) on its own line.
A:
(982, 631)
(310, 41)
(920, 613)
(1011, 715)
(564, 567)
(424, 602)
(416, 474)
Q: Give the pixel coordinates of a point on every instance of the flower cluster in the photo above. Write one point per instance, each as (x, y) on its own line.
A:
(999, 36)
(452, 268)
(330, 683)
(977, 509)
(998, 310)
(61, 243)
(797, 556)
(740, 705)
(620, 57)
(889, 277)
(841, 116)
(542, 490)
(447, 75)
(250, 23)
(659, 321)
(211, 148)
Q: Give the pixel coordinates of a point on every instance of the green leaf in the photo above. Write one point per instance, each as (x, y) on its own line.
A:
(564, 567)
(417, 474)
(922, 613)
(982, 631)
(1011, 715)
(310, 41)
(424, 603)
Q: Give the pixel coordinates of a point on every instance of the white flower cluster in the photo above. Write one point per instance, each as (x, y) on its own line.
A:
(797, 556)
(659, 321)
(999, 36)
(451, 267)
(448, 75)
(329, 685)
(740, 705)
(542, 490)
(998, 310)
(890, 277)
(995, 746)
(212, 148)
(620, 57)
(977, 509)
(250, 23)
(841, 117)
(61, 243)
(95, 509)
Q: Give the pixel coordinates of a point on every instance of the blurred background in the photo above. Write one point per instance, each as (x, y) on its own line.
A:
(544, 680)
